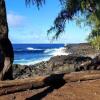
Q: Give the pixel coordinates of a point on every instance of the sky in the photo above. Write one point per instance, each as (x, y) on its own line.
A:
(27, 24)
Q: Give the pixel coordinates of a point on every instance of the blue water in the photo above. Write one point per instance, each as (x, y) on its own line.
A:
(34, 53)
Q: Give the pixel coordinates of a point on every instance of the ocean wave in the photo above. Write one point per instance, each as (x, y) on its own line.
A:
(56, 51)
(28, 49)
(51, 53)
(32, 49)
(60, 51)
(17, 60)
(31, 54)
(49, 50)
(30, 62)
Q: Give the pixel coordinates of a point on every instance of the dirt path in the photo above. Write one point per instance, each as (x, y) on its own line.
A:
(85, 90)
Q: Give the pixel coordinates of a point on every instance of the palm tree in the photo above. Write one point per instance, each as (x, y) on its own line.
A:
(69, 9)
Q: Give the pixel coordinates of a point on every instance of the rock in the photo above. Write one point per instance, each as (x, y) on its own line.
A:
(69, 60)
(80, 59)
(20, 70)
(97, 59)
(84, 49)
(57, 64)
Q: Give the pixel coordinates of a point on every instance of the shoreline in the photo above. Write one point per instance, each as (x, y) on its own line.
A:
(33, 53)
(80, 54)
(55, 52)
(82, 49)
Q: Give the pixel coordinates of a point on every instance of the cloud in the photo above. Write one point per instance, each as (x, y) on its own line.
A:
(15, 20)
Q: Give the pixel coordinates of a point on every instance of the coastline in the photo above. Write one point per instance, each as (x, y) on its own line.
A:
(72, 58)
(82, 49)
(57, 52)
(27, 54)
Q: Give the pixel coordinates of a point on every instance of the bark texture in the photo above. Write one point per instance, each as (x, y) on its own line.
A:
(55, 80)
(6, 48)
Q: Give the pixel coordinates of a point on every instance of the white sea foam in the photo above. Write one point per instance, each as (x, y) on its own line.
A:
(21, 61)
(32, 62)
(52, 52)
(60, 51)
(49, 52)
(31, 49)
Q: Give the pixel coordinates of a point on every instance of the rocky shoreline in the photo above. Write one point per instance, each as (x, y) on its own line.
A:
(82, 57)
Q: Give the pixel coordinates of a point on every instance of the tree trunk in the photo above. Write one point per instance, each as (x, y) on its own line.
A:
(6, 48)
(55, 80)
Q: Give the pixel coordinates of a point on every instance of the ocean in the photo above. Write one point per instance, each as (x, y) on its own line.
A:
(27, 54)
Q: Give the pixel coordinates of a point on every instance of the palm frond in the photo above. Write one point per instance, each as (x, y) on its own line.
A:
(38, 3)
(70, 9)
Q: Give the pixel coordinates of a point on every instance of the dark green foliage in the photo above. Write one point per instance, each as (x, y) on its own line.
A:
(89, 10)
(94, 33)
(94, 38)
(38, 3)
(72, 8)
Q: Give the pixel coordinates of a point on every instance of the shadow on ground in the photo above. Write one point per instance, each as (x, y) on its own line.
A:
(51, 86)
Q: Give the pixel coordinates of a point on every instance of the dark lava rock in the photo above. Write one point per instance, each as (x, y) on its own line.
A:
(20, 70)
(57, 64)
(97, 59)
(83, 49)
(70, 59)
(79, 60)
(95, 64)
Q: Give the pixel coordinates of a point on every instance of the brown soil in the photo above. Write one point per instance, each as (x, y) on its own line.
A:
(85, 90)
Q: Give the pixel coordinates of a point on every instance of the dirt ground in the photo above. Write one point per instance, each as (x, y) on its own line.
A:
(85, 90)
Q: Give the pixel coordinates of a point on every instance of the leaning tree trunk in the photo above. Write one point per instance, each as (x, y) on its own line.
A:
(6, 49)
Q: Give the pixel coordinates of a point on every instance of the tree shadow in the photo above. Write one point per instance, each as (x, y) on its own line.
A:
(53, 84)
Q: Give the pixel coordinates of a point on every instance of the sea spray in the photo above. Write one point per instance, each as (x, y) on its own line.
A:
(27, 54)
